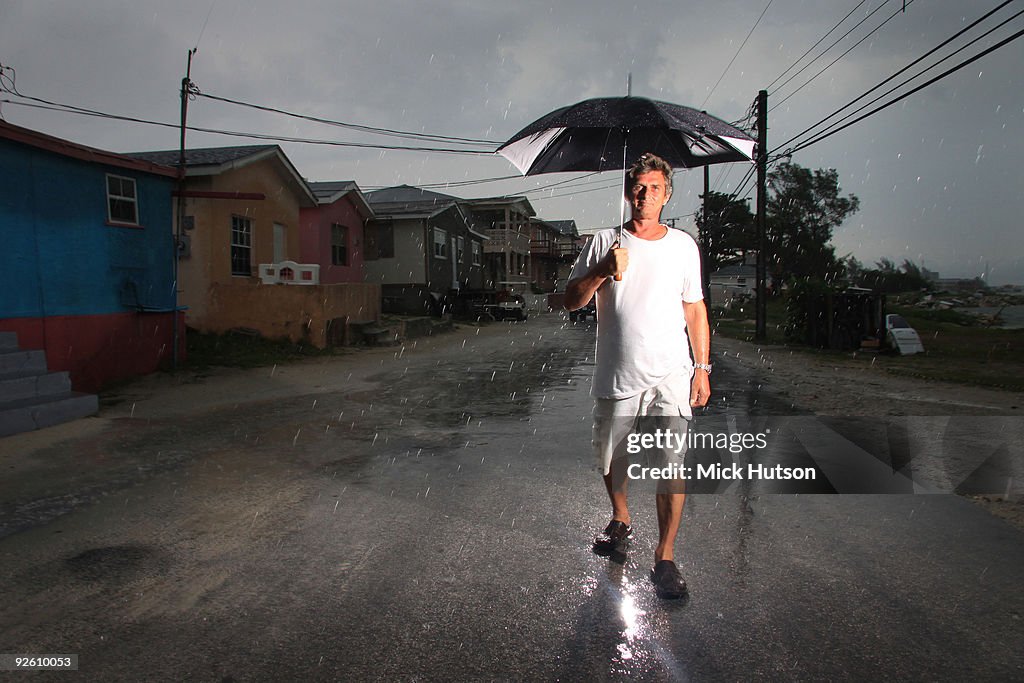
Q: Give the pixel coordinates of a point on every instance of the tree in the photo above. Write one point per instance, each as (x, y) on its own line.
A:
(889, 278)
(726, 228)
(803, 209)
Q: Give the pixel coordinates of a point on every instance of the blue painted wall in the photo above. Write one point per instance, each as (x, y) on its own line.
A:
(61, 256)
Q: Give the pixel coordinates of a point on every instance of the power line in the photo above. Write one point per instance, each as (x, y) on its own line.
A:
(737, 53)
(454, 183)
(577, 192)
(830, 64)
(70, 109)
(816, 44)
(203, 30)
(354, 126)
(904, 69)
(959, 66)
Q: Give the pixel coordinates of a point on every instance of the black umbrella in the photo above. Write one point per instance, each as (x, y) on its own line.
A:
(598, 134)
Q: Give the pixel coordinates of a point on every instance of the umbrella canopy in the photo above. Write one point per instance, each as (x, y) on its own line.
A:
(597, 134)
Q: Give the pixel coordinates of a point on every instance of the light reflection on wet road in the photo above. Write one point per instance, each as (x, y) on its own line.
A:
(434, 523)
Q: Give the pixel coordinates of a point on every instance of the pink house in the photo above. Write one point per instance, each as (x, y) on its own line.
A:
(331, 234)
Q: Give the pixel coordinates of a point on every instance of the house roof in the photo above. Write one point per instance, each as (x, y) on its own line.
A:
(565, 227)
(206, 161)
(409, 199)
(485, 202)
(331, 191)
(206, 157)
(74, 150)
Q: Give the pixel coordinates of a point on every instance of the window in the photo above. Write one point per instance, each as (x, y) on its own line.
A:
(460, 249)
(380, 240)
(440, 243)
(339, 245)
(122, 205)
(241, 246)
(476, 253)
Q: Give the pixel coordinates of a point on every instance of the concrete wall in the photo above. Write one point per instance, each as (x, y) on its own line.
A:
(296, 312)
(98, 350)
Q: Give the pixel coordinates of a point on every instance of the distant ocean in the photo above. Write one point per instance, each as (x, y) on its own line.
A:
(1013, 316)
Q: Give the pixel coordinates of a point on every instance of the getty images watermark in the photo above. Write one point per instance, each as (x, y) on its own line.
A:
(667, 442)
(753, 454)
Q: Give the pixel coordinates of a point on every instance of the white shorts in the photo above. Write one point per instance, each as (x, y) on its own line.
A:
(616, 418)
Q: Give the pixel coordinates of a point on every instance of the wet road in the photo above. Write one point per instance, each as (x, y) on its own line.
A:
(425, 514)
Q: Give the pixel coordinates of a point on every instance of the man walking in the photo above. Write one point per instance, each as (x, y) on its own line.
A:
(644, 373)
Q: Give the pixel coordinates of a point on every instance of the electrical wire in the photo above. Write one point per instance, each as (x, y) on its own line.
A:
(904, 69)
(727, 67)
(454, 183)
(815, 45)
(355, 126)
(944, 74)
(616, 184)
(852, 47)
(70, 109)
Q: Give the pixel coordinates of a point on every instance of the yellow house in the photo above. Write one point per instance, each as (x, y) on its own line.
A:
(241, 209)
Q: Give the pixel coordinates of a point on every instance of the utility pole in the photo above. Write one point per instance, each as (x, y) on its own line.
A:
(186, 85)
(760, 332)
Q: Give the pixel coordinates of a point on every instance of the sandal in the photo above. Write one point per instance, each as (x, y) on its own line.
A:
(668, 582)
(614, 538)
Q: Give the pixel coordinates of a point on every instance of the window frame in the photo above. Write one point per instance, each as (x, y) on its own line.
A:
(440, 240)
(132, 200)
(343, 247)
(249, 229)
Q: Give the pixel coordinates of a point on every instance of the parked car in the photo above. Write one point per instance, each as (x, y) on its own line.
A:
(900, 336)
(581, 314)
(513, 307)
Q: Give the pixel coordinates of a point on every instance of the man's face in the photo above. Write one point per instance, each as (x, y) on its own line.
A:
(649, 195)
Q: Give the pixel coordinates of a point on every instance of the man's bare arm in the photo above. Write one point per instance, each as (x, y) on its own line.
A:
(581, 290)
(699, 332)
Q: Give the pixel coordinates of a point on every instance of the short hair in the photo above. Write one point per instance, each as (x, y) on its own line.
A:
(645, 164)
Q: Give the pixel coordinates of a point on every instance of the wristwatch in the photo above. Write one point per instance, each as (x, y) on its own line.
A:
(706, 367)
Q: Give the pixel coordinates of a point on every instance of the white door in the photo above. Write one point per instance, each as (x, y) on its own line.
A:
(279, 253)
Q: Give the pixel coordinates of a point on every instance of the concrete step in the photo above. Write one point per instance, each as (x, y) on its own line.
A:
(8, 341)
(32, 385)
(20, 363)
(28, 415)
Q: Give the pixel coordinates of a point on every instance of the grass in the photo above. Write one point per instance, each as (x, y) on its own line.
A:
(956, 349)
(739, 321)
(238, 350)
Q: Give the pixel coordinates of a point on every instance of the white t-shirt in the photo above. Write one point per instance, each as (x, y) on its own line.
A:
(641, 329)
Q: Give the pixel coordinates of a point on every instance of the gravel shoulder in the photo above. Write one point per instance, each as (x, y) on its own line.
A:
(827, 383)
